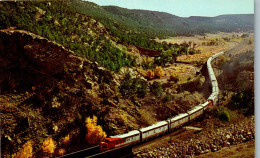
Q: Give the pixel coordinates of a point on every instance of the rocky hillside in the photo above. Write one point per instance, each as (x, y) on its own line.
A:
(48, 91)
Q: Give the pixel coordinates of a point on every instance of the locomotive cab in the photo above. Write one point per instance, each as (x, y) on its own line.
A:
(110, 143)
(104, 146)
(210, 103)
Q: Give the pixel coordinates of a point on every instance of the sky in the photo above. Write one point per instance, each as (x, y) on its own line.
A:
(186, 8)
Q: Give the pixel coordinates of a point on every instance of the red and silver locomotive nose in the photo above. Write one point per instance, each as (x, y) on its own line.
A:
(103, 146)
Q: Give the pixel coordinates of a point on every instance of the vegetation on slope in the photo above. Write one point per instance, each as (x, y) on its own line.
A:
(137, 26)
(63, 23)
(60, 22)
(48, 92)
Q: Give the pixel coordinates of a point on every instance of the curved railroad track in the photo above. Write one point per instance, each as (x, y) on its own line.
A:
(121, 145)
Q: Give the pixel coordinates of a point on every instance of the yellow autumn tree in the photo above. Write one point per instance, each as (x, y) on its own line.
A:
(25, 152)
(95, 133)
(150, 74)
(159, 72)
(66, 140)
(61, 152)
(49, 146)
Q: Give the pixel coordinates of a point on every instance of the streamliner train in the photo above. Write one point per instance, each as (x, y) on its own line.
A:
(162, 127)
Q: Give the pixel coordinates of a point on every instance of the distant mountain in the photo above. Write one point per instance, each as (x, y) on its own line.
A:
(161, 24)
(225, 23)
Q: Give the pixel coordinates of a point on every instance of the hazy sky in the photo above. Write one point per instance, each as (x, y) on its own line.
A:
(186, 8)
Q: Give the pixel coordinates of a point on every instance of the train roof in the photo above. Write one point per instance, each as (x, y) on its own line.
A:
(158, 124)
(131, 133)
(220, 53)
(196, 108)
(205, 104)
(211, 97)
(179, 116)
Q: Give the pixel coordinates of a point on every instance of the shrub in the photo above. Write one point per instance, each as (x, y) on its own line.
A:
(167, 98)
(95, 133)
(150, 74)
(175, 77)
(245, 35)
(49, 146)
(140, 87)
(25, 152)
(165, 57)
(126, 85)
(159, 72)
(130, 86)
(223, 115)
(66, 140)
(244, 101)
(156, 88)
(61, 152)
(147, 63)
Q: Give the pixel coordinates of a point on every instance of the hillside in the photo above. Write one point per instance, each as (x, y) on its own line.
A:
(160, 24)
(60, 22)
(63, 23)
(48, 92)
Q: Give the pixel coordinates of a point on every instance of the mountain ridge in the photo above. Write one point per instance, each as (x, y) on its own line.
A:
(160, 24)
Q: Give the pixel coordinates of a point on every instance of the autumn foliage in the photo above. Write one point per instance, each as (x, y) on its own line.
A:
(61, 152)
(66, 140)
(157, 72)
(26, 151)
(95, 133)
(49, 146)
(150, 74)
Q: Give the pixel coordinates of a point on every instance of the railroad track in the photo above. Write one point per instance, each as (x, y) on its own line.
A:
(94, 152)
(121, 145)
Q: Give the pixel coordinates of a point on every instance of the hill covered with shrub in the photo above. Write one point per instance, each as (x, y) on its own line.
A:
(60, 22)
(132, 25)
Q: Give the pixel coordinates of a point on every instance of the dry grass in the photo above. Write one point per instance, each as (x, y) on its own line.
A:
(196, 57)
(182, 39)
(206, 51)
